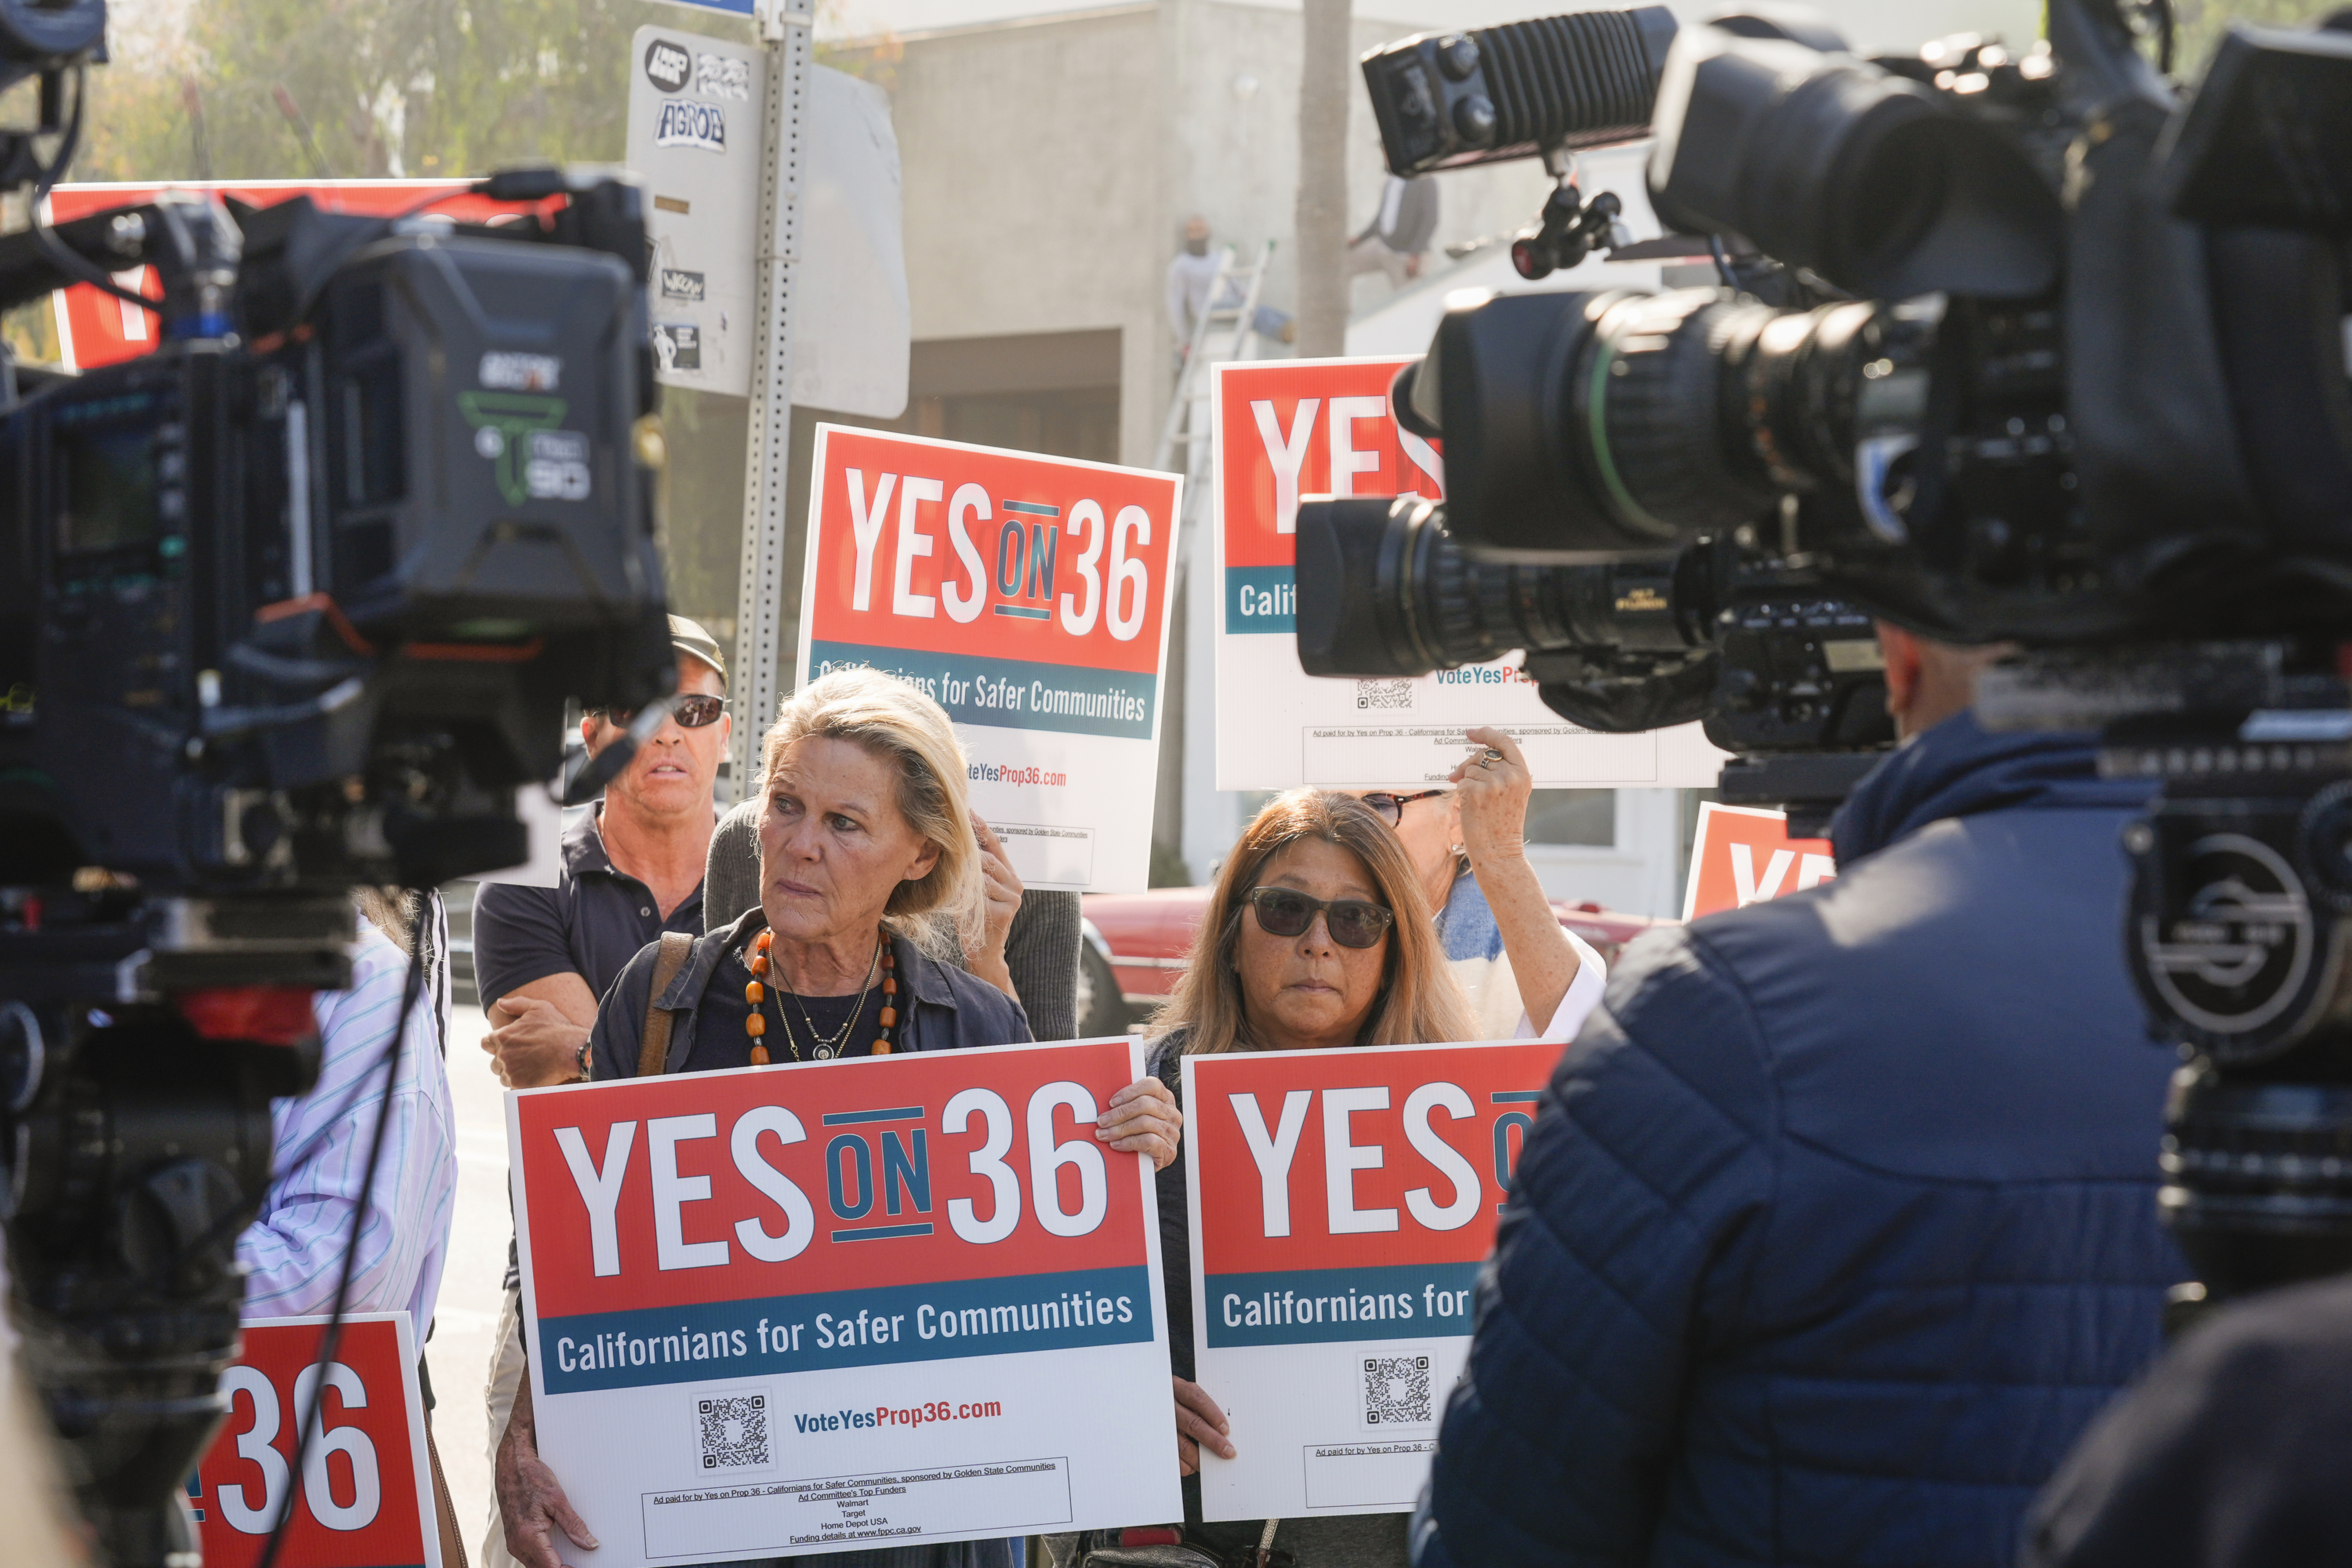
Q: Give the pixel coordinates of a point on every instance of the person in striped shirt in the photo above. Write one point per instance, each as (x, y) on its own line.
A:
(293, 1252)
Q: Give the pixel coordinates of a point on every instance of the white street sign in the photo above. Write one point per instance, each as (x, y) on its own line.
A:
(696, 139)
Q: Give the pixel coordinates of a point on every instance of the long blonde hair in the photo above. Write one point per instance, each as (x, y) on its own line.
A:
(1419, 1000)
(946, 909)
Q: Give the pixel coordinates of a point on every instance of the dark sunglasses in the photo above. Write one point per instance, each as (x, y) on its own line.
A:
(1352, 923)
(1391, 806)
(692, 712)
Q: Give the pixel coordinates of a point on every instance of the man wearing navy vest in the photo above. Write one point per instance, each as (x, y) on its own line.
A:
(1838, 1222)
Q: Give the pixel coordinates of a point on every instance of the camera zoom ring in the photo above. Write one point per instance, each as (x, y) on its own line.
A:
(1460, 596)
(1652, 416)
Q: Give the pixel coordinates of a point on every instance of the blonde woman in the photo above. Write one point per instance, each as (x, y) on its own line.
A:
(1316, 934)
(870, 872)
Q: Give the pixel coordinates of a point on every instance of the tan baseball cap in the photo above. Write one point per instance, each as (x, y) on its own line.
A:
(690, 639)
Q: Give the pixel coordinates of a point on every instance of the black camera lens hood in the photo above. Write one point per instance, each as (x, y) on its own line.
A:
(1873, 181)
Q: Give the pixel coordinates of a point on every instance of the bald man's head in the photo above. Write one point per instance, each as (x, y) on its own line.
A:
(1928, 681)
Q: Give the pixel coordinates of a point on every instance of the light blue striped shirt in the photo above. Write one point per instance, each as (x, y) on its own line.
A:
(294, 1252)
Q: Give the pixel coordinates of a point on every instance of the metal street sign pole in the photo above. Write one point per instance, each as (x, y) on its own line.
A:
(785, 29)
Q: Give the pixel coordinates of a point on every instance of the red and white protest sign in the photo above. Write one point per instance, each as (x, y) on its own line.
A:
(1742, 853)
(1291, 429)
(1028, 596)
(95, 329)
(1341, 1203)
(811, 1308)
(367, 1488)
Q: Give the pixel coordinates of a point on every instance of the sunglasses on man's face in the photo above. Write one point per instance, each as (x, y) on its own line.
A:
(692, 711)
(1391, 806)
(1352, 923)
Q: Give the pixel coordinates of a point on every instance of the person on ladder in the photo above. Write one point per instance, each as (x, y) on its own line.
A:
(1192, 277)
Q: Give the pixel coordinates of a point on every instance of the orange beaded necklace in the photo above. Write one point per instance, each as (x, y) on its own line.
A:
(820, 1049)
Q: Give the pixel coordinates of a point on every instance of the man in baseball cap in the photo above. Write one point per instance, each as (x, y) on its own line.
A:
(632, 869)
(692, 642)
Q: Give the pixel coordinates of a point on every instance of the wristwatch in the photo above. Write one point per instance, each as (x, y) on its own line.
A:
(581, 1061)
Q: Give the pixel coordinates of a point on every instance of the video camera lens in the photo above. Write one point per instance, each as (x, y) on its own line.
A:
(1873, 181)
(1599, 423)
(1385, 591)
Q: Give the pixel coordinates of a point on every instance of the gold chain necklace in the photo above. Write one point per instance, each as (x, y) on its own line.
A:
(755, 1024)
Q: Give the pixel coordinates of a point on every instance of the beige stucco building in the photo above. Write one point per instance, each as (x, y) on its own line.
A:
(1049, 164)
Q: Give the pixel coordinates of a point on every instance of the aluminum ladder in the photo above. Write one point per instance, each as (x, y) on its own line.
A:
(1188, 412)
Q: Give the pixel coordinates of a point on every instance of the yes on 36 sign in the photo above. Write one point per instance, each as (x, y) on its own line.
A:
(1287, 429)
(813, 1308)
(1742, 853)
(1341, 1203)
(1026, 596)
(367, 1488)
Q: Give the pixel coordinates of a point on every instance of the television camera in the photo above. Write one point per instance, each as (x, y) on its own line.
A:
(2014, 346)
(1788, 679)
(292, 605)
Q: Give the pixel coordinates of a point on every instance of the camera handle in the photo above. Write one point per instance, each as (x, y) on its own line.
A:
(2240, 921)
(2239, 931)
(1569, 228)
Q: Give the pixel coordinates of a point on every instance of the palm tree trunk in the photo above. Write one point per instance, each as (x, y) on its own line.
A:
(1322, 215)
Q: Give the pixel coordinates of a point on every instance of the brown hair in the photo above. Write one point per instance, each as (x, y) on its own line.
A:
(947, 908)
(1418, 999)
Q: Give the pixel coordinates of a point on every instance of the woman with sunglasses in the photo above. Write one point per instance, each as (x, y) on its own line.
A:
(1317, 935)
(1526, 976)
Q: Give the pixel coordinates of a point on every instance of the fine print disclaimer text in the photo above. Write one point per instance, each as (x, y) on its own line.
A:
(1011, 1495)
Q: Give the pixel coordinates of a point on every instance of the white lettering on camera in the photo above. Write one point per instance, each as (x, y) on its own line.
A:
(505, 372)
(557, 468)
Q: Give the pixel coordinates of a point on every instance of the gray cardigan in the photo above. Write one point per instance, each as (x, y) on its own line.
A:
(1042, 949)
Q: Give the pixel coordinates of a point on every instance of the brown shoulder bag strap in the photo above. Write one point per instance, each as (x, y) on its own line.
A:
(653, 1060)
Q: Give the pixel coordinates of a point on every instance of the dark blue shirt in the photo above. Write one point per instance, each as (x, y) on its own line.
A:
(592, 922)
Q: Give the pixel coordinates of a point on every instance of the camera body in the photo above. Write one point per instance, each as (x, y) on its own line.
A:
(2040, 368)
(2054, 355)
(1782, 672)
(306, 616)
(294, 604)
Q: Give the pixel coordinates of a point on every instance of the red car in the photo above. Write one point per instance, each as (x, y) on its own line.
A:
(1136, 943)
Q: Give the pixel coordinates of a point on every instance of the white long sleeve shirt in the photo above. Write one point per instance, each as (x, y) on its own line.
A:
(1474, 947)
(293, 1253)
(1189, 280)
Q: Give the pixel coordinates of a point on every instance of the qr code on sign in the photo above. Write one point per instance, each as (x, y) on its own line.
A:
(1384, 694)
(734, 1431)
(1396, 1391)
